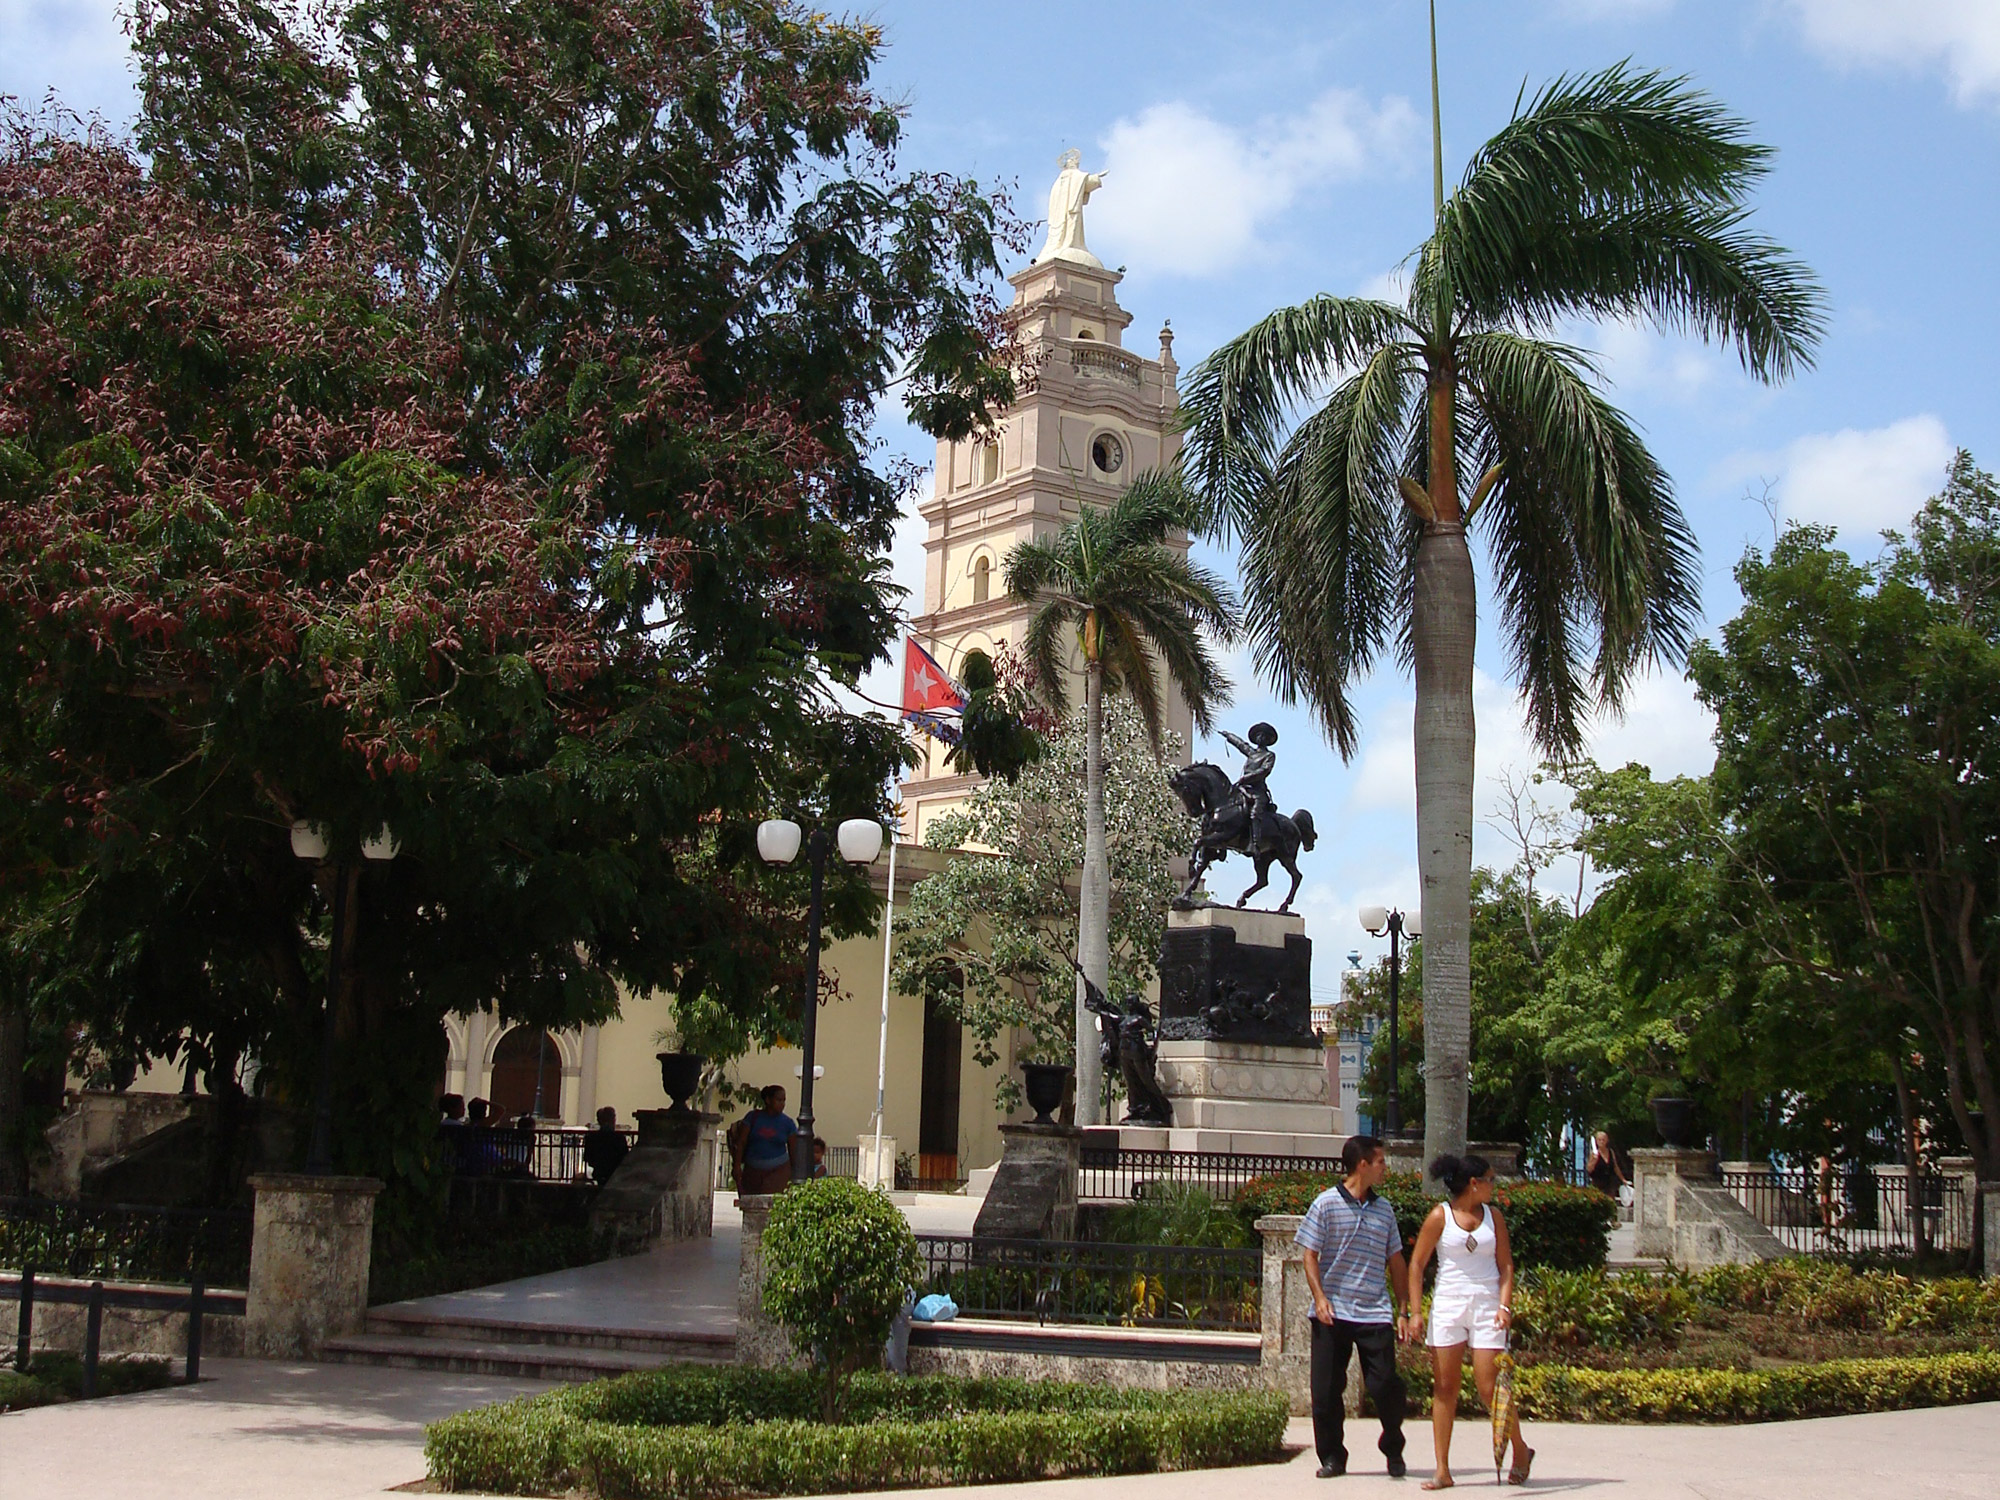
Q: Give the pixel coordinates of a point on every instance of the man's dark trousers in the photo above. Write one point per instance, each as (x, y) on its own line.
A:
(1332, 1343)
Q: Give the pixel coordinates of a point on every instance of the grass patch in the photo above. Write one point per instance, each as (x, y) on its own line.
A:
(56, 1377)
(691, 1434)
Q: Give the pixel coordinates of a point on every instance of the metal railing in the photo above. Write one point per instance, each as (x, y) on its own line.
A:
(1121, 1175)
(1845, 1210)
(549, 1153)
(126, 1241)
(194, 1299)
(1130, 1286)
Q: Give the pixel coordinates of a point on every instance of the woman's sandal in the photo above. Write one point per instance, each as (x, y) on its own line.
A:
(1518, 1474)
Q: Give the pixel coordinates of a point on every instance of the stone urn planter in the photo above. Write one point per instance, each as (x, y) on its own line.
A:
(1046, 1083)
(680, 1075)
(1673, 1117)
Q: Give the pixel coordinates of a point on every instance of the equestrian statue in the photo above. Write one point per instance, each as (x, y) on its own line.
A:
(1239, 817)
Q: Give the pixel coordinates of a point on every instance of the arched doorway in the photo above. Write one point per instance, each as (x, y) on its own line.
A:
(526, 1057)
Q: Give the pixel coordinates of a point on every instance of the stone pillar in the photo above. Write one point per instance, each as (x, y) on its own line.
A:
(663, 1190)
(1033, 1196)
(1287, 1312)
(1405, 1154)
(1989, 1208)
(759, 1340)
(1954, 1230)
(1656, 1176)
(1504, 1156)
(878, 1168)
(309, 1252)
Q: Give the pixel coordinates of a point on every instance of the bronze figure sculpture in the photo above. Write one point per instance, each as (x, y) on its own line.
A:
(1239, 817)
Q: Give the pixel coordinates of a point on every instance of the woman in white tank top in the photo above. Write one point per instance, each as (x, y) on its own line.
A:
(1472, 1305)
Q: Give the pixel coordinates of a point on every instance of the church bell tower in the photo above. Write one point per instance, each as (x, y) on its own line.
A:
(1090, 417)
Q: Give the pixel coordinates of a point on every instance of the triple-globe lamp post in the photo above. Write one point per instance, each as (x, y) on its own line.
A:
(778, 839)
(1376, 920)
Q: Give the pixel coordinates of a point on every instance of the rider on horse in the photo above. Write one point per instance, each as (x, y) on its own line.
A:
(1258, 763)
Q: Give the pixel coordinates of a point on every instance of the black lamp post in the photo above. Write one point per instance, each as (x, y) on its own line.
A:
(778, 840)
(310, 842)
(1377, 920)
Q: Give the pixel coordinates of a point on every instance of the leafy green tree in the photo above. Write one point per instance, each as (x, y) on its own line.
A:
(1618, 194)
(1112, 587)
(459, 424)
(996, 735)
(991, 934)
(839, 1259)
(1858, 725)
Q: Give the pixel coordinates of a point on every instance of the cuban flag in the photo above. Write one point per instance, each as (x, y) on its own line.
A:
(931, 700)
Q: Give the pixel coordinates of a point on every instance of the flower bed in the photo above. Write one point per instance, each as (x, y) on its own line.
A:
(689, 1433)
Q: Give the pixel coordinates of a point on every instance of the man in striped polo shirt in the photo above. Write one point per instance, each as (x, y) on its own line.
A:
(1354, 1270)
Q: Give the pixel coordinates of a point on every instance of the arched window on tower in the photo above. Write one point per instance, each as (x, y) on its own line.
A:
(982, 579)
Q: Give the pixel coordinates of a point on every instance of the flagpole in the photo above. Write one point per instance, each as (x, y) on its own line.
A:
(882, 1040)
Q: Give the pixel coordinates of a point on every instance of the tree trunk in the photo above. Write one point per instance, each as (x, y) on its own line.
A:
(13, 1100)
(1442, 628)
(1093, 932)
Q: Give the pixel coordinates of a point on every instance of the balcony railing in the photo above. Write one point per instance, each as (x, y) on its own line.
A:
(548, 1153)
(1104, 362)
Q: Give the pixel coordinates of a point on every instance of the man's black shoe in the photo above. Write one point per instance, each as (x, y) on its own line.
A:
(1397, 1468)
(1331, 1471)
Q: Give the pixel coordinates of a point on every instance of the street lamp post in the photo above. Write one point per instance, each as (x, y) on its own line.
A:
(778, 840)
(1376, 920)
(310, 842)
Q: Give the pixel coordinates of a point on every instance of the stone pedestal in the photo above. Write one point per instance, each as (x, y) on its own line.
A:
(1246, 1087)
(759, 1340)
(309, 1252)
(663, 1191)
(1033, 1196)
(1287, 1310)
(1656, 1177)
(878, 1161)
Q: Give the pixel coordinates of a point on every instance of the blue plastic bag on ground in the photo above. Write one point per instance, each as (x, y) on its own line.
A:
(936, 1308)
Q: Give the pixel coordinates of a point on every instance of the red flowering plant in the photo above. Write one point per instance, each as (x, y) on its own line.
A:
(459, 423)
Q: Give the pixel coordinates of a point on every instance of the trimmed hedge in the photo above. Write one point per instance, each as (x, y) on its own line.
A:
(1826, 1294)
(1549, 1224)
(1836, 1388)
(690, 1433)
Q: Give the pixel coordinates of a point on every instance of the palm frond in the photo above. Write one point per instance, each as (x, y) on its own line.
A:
(1238, 404)
(1587, 539)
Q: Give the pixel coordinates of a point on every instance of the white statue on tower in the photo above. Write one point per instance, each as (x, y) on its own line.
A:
(1072, 190)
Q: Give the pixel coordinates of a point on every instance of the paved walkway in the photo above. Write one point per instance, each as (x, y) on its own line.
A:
(684, 1288)
(252, 1431)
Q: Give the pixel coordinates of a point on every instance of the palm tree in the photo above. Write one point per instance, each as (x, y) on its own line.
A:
(1139, 611)
(1620, 194)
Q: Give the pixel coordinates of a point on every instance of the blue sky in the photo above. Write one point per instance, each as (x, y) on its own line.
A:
(1260, 153)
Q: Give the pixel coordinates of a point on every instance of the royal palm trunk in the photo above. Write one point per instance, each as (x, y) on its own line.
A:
(1443, 627)
(1093, 938)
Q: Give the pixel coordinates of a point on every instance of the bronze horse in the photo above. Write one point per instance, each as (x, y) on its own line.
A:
(1207, 793)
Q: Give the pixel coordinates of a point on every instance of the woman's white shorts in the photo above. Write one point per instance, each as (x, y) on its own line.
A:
(1467, 1319)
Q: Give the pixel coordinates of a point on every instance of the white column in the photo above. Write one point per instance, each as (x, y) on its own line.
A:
(586, 1082)
(475, 1055)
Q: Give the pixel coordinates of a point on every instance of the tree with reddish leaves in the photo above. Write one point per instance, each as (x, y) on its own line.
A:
(459, 425)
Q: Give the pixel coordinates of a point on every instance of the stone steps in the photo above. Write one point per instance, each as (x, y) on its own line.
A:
(481, 1346)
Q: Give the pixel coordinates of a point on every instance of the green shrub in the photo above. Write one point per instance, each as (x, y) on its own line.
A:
(839, 1261)
(479, 1254)
(689, 1433)
(1828, 1295)
(1175, 1213)
(54, 1376)
(1563, 1393)
(1549, 1224)
(1587, 1309)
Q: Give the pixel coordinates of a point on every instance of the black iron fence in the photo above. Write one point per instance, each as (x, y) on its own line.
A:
(548, 1153)
(1123, 1175)
(1844, 1210)
(1130, 1286)
(126, 1242)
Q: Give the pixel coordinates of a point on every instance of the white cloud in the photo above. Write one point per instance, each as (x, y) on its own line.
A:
(1960, 37)
(1636, 358)
(1195, 196)
(1861, 481)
